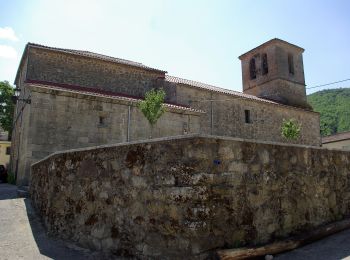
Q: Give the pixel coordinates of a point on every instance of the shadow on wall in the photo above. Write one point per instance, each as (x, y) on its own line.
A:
(20, 223)
(53, 247)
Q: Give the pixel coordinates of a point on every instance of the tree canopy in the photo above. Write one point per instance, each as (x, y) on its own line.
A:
(6, 106)
(334, 108)
(152, 107)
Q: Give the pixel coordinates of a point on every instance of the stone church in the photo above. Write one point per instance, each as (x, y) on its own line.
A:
(72, 99)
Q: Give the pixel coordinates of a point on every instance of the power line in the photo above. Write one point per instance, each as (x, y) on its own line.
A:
(318, 86)
(219, 100)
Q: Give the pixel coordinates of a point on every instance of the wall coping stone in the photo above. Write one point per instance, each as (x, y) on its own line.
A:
(183, 137)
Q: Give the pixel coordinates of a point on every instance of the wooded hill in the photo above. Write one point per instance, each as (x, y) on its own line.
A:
(334, 107)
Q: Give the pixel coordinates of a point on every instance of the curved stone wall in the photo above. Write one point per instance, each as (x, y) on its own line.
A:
(188, 196)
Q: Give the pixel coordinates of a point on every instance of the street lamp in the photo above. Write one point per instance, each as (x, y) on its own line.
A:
(16, 98)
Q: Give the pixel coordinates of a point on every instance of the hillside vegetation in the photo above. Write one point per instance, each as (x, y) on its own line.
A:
(334, 107)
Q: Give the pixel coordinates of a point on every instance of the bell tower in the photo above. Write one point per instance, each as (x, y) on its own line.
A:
(275, 71)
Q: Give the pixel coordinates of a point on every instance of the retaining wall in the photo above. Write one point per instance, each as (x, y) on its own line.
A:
(188, 196)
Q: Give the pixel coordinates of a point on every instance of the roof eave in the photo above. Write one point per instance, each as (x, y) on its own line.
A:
(252, 98)
(24, 55)
(168, 106)
(267, 43)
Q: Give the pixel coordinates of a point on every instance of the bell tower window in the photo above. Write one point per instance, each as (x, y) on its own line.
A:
(264, 65)
(290, 64)
(252, 69)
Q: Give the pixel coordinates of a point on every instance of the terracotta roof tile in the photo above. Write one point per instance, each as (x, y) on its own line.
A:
(336, 137)
(215, 89)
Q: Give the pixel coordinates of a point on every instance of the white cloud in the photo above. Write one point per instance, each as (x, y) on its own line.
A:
(7, 52)
(8, 33)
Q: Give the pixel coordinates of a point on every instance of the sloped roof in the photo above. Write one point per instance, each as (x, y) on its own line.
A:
(336, 138)
(215, 89)
(102, 93)
(272, 41)
(89, 55)
(97, 56)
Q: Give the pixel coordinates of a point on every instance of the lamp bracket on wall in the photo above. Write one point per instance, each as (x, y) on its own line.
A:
(16, 98)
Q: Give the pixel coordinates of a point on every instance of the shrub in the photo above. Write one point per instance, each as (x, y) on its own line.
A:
(290, 129)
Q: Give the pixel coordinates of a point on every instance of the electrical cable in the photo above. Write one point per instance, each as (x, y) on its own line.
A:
(327, 84)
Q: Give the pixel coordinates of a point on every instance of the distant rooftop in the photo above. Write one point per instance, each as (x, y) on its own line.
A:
(336, 138)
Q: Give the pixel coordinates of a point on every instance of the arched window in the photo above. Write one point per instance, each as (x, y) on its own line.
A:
(290, 64)
(252, 69)
(264, 65)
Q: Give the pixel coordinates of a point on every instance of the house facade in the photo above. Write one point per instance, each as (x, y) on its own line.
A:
(5, 148)
(80, 99)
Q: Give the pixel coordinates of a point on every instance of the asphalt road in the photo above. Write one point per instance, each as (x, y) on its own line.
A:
(333, 247)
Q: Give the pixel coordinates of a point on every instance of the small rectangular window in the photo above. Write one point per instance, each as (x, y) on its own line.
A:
(247, 116)
(102, 121)
(8, 150)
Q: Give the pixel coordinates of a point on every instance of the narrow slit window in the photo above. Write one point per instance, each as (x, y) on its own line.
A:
(290, 64)
(264, 65)
(8, 150)
(101, 120)
(252, 69)
(247, 116)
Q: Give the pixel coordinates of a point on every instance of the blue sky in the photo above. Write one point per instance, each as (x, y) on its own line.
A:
(198, 40)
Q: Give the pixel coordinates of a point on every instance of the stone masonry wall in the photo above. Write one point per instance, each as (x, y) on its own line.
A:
(228, 117)
(52, 123)
(228, 114)
(58, 67)
(60, 120)
(19, 142)
(186, 197)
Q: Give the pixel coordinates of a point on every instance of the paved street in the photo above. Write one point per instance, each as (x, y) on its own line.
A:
(23, 237)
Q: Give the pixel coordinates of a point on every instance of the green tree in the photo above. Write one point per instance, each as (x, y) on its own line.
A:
(334, 108)
(290, 129)
(152, 107)
(6, 106)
